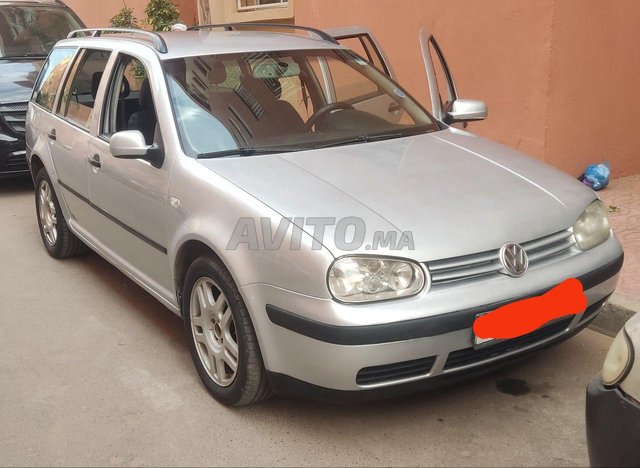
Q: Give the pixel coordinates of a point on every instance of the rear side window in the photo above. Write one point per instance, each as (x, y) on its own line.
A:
(81, 87)
(49, 80)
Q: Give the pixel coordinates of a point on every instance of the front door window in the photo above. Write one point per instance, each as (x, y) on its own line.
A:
(129, 104)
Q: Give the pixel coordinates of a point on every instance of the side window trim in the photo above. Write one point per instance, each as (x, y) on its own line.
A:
(450, 84)
(108, 100)
(427, 44)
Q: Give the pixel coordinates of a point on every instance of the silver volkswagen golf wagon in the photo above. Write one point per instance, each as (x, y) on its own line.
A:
(320, 233)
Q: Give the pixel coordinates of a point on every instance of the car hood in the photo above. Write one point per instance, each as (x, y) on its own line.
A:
(456, 193)
(17, 77)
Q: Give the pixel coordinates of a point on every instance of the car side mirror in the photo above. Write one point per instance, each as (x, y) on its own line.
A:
(130, 144)
(466, 110)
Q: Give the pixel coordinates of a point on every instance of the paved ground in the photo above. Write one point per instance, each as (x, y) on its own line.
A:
(93, 371)
(622, 197)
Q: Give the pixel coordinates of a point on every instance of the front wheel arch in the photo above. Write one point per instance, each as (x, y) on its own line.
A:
(188, 253)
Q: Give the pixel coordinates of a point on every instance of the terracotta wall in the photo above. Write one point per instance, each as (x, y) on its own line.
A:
(594, 101)
(97, 13)
(560, 76)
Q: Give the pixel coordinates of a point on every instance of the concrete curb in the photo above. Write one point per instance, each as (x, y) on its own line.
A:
(615, 314)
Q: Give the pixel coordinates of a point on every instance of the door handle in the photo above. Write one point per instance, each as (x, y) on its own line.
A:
(95, 161)
(52, 134)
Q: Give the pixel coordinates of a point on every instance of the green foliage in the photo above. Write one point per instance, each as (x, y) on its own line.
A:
(139, 70)
(162, 14)
(124, 19)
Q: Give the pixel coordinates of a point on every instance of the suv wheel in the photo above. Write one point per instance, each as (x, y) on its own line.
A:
(221, 337)
(57, 238)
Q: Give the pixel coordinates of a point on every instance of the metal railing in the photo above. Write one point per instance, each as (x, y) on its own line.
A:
(261, 26)
(158, 42)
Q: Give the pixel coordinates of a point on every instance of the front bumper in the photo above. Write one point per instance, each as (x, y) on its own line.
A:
(352, 349)
(613, 426)
(501, 354)
(13, 159)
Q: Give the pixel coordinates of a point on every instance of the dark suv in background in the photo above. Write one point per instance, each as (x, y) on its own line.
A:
(28, 31)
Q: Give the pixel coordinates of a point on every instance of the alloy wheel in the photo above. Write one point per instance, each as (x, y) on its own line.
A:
(214, 331)
(47, 212)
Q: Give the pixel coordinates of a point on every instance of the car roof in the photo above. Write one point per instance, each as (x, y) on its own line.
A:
(212, 42)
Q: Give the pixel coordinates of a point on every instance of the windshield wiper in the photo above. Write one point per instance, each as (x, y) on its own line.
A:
(249, 151)
(363, 139)
(377, 137)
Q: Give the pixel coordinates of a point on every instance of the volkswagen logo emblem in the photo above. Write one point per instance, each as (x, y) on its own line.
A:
(514, 259)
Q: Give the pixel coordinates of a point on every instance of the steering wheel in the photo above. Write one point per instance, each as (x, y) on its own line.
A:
(333, 106)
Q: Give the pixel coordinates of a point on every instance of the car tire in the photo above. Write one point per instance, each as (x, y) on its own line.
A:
(223, 343)
(57, 238)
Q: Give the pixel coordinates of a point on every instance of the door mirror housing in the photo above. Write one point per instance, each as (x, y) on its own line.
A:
(466, 110)
(130, 144)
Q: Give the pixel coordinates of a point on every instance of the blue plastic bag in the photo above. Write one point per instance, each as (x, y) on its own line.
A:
(596, 176)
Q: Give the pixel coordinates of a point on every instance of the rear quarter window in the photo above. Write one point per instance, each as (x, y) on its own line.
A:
(48, 82)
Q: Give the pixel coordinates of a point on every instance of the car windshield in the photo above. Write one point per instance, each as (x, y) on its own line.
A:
(32, 31)
(269, 102)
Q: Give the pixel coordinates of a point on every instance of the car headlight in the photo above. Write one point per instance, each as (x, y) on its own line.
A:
(618, 360)
(366, 279)
(592, 227)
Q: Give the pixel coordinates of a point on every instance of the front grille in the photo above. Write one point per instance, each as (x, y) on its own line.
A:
(467, 356)
(479, 265)
(396, 371)
(15, 115)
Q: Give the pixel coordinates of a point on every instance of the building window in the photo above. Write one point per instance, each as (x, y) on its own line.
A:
(245, 11)
(254, 5)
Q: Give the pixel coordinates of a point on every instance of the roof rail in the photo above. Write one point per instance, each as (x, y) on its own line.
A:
(158, 42)
(232, 26)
